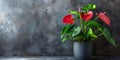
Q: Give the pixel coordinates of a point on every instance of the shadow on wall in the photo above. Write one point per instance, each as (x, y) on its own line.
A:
(32, 27)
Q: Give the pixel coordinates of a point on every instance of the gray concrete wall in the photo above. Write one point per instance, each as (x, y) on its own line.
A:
(32, 27)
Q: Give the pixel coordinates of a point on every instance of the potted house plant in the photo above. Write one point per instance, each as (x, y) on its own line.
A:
(83, 27)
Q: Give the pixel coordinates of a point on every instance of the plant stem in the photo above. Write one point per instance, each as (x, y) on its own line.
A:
(96, 18)
(81, 24)
(100, 34)
(75, 18)
(97, 35)
(85, 28)
(96, 30)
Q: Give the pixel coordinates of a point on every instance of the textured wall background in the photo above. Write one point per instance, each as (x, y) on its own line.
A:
(32, 27)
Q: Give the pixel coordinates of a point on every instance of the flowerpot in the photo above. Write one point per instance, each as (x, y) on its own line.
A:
(82, 50)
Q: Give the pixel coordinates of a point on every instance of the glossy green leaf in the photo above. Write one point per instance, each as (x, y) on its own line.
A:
(108, 36)
(94, 24)
(73, 12)
(62, 32)
(64, 39)
(90, 32)
(76, 31)
(65, 30)
(61, 36)
(89, 7)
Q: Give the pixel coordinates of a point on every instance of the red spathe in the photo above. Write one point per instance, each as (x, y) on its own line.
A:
(87, 16)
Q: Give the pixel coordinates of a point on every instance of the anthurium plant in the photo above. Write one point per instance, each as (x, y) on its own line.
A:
(84, 25)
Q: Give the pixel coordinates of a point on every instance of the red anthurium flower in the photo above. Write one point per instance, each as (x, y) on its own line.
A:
(87, 16)
(104, 18)
(68, 19)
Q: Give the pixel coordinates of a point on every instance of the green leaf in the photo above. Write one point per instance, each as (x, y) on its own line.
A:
(90, 32)
(73, 12)
(92, 6)
(76, 31)
(108, 36)
(65, 30)
(62, 32)
(64, 39)
(67, 36)
(94, 24)
(62, 35)
(89, 7)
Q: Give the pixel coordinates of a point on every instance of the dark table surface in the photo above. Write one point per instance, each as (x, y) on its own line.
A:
(58, 58)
